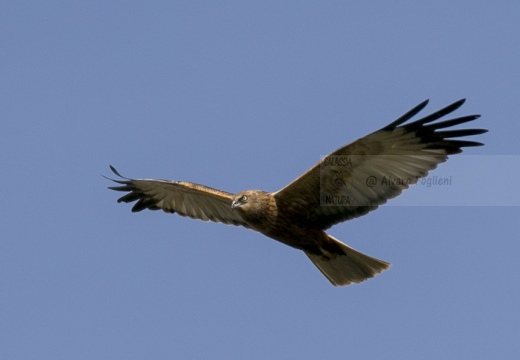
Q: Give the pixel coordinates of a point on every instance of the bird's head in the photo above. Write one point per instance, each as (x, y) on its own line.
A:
(254, 205)
(250, 200)
(242, 199)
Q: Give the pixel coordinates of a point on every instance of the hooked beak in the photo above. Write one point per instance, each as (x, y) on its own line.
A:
(235, 204)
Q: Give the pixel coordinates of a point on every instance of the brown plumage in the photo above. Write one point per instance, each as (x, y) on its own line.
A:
(347, 183)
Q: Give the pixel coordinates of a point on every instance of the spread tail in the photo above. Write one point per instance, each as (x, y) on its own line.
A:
(349, 267)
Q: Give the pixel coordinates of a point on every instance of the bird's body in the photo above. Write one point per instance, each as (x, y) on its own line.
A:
(334, 190)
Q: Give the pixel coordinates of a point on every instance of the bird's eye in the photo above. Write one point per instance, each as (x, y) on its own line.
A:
(243, 198)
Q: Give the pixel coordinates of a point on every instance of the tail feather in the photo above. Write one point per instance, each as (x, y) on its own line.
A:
(350, 267)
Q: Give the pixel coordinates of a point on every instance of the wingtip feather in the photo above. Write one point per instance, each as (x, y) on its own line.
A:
(407, 116)
(116, 172)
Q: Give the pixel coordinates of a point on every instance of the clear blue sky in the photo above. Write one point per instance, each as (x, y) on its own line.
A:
(242, 95)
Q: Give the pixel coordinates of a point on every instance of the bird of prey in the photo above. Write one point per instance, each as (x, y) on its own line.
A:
(345, 184)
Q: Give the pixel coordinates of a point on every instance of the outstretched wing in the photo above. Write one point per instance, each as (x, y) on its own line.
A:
(184, 198)
(359, 177)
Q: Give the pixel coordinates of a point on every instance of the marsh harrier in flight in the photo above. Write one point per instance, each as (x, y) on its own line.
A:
(347, 183)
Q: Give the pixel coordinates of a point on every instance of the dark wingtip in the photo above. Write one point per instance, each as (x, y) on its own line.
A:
(123, 182)
(454, 106)
(116, 172)
(404, 118)
(423, 104)
(459, 103)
